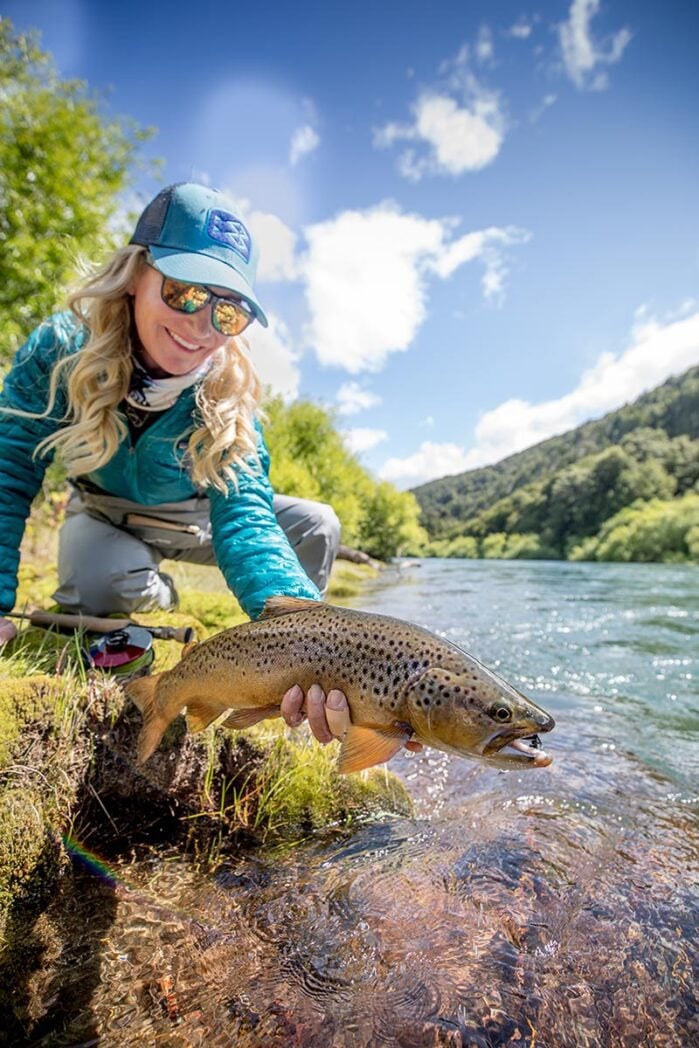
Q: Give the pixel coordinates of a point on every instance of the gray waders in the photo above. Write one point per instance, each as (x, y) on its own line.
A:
(110, 549)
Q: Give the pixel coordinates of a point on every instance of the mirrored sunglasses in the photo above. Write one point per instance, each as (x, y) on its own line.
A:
(230, 316)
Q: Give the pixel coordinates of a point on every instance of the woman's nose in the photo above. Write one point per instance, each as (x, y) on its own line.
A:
(201, 322)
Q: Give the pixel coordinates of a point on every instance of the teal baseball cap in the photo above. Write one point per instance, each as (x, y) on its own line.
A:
(193, 234)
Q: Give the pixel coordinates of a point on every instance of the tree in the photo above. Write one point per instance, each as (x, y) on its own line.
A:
(310, 459)
(62, 166)
(653, 530)
(390, 524)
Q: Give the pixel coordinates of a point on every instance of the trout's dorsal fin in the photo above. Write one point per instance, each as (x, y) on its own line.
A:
(283, 605)
(364, 747)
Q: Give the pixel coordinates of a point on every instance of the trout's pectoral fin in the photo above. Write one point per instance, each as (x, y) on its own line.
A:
(245, 718)
(364, 747)
(200, 714)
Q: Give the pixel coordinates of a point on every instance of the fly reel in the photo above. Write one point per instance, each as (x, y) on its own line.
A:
(124, 652)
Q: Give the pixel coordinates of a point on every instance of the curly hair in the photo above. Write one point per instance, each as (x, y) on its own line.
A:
(97, 380)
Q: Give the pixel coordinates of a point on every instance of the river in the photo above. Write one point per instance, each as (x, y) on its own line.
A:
(552, 908)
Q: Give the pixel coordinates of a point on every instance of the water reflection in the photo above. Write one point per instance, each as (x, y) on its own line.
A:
(514, 918)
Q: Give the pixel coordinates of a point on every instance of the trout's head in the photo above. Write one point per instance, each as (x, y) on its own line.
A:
(474, 713)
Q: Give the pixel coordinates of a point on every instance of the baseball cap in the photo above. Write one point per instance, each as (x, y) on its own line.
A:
(193, 234)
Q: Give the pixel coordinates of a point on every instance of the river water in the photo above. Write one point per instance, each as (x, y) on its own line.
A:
(542, 909)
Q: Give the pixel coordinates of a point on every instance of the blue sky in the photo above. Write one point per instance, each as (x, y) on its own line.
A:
(478, 221)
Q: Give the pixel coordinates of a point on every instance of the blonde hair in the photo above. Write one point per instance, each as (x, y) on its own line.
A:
(98, 377)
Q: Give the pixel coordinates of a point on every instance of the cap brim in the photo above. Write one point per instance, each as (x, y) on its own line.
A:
(203, 269)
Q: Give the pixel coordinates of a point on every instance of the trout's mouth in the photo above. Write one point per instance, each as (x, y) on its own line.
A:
(513, 747)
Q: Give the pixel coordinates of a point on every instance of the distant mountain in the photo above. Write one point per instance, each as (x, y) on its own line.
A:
(522, 492)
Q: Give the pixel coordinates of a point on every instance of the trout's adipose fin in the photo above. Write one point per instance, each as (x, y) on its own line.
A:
(284, 605)
(364, 747)
(245, 718)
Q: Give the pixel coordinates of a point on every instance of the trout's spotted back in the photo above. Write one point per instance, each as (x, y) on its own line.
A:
(381, 654)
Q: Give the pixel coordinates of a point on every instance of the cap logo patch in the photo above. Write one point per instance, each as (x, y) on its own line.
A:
(225, 228)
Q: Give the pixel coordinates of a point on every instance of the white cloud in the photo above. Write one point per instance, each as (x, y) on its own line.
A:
(351, 398)
(458, 124)
(429, 461)
(484, 45)
(366, 274)
(458, 138)
(657, 351)
(521, 29)
(304, 140)
(485, 244)
(277, 247)
(361, 439)
(582, 54)
(364, 287)
(537, 112)
(274, 357)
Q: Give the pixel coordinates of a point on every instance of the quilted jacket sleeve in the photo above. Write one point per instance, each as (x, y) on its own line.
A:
(251, 549)
(25, 388)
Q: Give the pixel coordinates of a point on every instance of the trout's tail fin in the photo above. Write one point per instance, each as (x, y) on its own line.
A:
(142, 693)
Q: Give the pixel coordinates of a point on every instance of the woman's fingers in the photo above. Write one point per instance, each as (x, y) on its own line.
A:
(292, 706)
(8, 631)
(315, 708)
(328, 716)
(337, 713)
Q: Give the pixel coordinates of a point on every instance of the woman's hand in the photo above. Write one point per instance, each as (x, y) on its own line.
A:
(8, 631)
(328, 716)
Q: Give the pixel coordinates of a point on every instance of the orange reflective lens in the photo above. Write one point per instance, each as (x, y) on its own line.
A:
(229, 316)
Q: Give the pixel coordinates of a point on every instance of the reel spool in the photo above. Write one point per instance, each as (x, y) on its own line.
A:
(123, 652)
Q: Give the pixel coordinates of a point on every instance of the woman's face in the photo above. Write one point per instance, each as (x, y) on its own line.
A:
(173, 342)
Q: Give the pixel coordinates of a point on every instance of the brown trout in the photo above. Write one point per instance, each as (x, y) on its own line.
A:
(401, 681)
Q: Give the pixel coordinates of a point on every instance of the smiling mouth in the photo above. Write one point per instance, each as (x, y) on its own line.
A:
(182, 342)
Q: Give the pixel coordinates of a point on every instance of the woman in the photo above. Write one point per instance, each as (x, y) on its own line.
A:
(146, 392)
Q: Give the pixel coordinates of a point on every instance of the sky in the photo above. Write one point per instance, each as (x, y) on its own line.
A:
(478, 221)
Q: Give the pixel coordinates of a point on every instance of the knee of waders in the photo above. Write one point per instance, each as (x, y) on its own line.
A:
(326, 524)
(143, 589)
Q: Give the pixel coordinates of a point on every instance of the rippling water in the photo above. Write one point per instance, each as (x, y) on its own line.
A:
(547, 909)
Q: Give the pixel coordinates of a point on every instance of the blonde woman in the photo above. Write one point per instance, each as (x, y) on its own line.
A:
(146, 392)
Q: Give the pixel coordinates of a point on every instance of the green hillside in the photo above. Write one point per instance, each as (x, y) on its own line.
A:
(553, 499)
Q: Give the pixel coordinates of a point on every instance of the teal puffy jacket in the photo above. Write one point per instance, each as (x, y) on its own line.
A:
(251, 549)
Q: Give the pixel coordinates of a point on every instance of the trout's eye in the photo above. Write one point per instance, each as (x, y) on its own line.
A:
(500, 712)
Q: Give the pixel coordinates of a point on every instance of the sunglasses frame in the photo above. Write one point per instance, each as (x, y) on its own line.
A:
(212, 299)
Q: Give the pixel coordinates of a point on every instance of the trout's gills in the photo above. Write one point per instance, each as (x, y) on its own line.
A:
(401, 681)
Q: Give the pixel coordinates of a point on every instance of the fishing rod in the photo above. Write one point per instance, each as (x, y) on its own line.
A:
(123, 649)
(96, 624)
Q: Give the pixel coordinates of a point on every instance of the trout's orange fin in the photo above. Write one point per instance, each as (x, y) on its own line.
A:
(364, 747)
(245, 718)
(284, 605)
(186, 648)
(200, 714)
(142, 694)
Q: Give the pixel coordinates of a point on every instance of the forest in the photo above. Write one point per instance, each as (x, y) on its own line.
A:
(623, 487)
